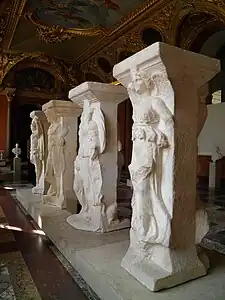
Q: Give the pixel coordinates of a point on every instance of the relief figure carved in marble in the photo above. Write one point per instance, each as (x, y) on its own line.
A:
(56, 160)
(87, 168)
(38, 149)
(151, 215)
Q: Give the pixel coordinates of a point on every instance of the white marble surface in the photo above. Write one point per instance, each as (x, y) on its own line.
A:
(62, 151)
(163, 84)
(97, 258)
(39, 149)
(95, 167)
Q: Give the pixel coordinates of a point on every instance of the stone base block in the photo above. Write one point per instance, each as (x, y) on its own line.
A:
(55, 201)
(37, 190)
(96, 223)
(17, 165)
(184, 267)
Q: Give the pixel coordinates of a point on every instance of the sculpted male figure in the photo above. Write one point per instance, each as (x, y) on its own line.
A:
(87, 169)
(37, 152)
(56, 160)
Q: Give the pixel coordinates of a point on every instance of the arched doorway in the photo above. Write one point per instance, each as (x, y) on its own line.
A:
(34, 85)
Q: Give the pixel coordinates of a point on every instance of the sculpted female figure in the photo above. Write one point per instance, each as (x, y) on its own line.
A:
(55, 161)
(37, 153)
(152, 119)
(88, 177)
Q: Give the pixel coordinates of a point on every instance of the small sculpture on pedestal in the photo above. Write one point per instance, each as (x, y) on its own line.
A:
(16, 160)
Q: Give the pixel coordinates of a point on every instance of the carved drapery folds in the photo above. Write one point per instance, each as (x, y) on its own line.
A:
(152, 143)
(95, 182)
(38, 149)
(87, 169)
(164, 174)
(62, 146)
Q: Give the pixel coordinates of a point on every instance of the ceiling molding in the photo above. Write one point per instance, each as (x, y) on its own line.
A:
(13, 19)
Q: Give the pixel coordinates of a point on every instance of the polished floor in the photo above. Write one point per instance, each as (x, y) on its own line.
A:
(29, 269)
(32, 268)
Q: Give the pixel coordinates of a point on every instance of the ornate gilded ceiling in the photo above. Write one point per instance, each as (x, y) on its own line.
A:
(96, 34)
(95, 16)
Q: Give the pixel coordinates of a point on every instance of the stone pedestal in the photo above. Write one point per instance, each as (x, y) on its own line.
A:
(17, 165)
(16, 168)
(62, 149)
(96, 164)
(39, 150)
(212, 175)
(163, 83)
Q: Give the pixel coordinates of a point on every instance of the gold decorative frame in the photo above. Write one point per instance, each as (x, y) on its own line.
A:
(55, 33)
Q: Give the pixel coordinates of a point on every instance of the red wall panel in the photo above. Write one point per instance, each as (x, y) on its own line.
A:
(3, 121)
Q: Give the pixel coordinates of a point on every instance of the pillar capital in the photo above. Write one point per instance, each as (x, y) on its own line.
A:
(62, 108)
(175, 63)
(95, 92)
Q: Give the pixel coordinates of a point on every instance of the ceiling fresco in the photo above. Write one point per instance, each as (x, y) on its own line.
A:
(81, 14)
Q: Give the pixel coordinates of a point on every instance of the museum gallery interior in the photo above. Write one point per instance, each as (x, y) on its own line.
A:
(112, 149)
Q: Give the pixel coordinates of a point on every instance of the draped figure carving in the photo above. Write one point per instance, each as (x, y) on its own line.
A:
(151, 215)
(56, 160)
(38, 151)
(88, 176)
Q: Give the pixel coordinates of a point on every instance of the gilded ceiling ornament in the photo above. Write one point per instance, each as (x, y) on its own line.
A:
(13, 10)
(52, 34)
(56, 34)
(164, 17)
(7, 61)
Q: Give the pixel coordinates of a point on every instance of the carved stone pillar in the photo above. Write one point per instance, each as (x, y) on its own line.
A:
(62, 149)
(163, 83)
(39, 149)
(96, 163)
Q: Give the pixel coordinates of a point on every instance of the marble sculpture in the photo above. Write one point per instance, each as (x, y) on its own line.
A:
(95, 175)
(62, 145)
(87, 174)
(38, 149)
(163, 83)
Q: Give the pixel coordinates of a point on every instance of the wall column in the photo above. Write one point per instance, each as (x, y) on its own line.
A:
(9, 95)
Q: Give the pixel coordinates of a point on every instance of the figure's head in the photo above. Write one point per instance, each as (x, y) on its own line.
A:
(138, 80)
(142, 82)
(51, 116)
(33, 125)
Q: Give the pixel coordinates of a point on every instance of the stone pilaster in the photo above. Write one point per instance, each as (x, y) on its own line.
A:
(96, 164)
(62, 149)
(163, 84)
